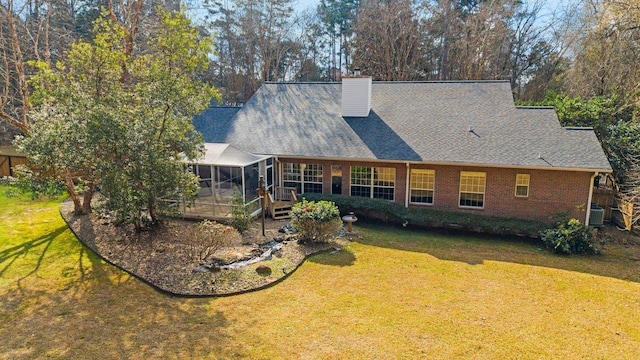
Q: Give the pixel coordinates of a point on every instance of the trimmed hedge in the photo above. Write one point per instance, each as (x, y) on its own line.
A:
(315, 221)
(388, 212)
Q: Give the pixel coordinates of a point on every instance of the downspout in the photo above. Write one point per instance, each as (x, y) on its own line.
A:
(407, 186)
(244, 197)
(302, 168)
(277, 172)
(593, 177)
(213, 186)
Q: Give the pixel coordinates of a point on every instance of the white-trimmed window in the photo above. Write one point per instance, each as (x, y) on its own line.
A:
(373, 182)
(422, 186)
(306, 178)
(472, 189)
(291, 176)
(361, 181)
(522, 185)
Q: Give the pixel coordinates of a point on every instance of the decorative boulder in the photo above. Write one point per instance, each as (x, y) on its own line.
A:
(263, 270)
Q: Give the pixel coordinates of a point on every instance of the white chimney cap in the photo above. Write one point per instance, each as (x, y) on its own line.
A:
(356, 96)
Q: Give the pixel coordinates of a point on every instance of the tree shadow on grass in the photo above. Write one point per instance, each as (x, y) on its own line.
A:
(10, 255)
(84, 307)
(475, 249)
(99, 309)
(115, 319)
(334, 257)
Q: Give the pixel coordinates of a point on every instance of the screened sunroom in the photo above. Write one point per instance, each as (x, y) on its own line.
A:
(226, 172)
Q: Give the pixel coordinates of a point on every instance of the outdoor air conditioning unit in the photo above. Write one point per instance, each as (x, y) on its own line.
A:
(596, 218)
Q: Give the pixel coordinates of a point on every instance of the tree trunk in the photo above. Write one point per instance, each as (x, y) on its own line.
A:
(71, 190)
(151, 205)
(80, 207)
(88, 196)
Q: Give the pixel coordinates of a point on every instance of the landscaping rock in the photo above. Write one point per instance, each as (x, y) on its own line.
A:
(263, 270)
(286, 229)
(201, 269)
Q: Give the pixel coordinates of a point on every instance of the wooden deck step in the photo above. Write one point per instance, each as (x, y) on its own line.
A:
(279, 209)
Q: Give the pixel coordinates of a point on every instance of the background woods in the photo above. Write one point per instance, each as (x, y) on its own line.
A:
(577, 55)
(580, 47)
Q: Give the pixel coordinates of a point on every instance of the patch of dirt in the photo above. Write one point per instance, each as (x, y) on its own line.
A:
(621, 241)
(166, 258)
(619, 237)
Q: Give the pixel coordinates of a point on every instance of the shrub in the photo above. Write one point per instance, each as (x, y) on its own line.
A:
(571, 237)
(240, 214)
(207, 237)
(393, 213)
(315, 221)
(26, 183)
(8, 181)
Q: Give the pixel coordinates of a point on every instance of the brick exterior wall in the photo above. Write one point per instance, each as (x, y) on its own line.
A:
(550, 191)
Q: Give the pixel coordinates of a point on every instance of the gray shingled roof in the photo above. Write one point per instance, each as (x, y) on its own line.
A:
(215, 118)
(409, 121)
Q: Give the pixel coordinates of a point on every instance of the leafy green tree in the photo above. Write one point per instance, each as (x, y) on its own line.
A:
(240, 215)
(623, 146)
(123, 120)
(144, 162)
(612, 122)
(70, 99)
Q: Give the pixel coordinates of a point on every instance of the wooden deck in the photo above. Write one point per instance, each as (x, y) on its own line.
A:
(205, 207)
(216, 204)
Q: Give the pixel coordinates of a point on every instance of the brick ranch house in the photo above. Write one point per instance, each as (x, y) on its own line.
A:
(461, 146)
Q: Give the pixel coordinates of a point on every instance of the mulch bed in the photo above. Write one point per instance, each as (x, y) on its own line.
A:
(164, 257)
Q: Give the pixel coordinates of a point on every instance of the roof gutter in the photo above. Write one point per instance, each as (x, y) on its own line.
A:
(588, 216)
(444, 163)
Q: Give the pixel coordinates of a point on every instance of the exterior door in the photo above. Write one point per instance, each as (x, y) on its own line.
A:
(336, 179)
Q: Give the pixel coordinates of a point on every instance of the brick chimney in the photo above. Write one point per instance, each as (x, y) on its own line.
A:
(356, 95)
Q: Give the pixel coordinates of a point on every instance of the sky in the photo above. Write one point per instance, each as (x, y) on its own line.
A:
(303, 5)
(307, 4)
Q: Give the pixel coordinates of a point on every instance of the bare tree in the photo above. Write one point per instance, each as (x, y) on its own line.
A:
(14, 98)
(387, 40)
(481, 39)
(255, 43)
(628, 192)
(312, 51)
(337, 17)
(605, 59)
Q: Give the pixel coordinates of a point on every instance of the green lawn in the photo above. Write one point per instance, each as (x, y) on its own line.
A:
(395, 294)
